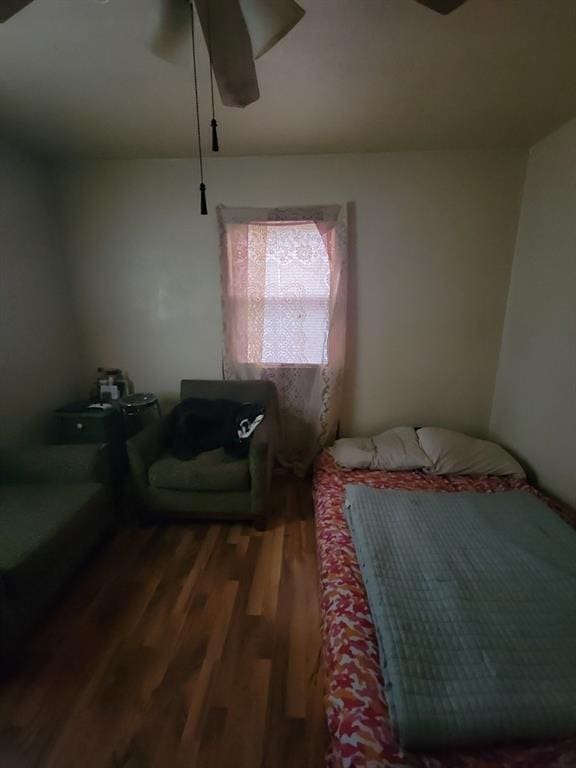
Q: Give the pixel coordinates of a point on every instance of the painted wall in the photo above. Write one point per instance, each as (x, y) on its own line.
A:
(432, 235)
(38, 343)
(535, 396)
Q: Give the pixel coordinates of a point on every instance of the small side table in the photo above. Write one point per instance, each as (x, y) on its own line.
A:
(78, 423)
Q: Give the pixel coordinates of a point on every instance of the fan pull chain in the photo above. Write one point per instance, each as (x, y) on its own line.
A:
(215, 145)
(213, 123)
(203, 206)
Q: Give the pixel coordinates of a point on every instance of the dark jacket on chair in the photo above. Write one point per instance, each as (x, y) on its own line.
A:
(198, 424)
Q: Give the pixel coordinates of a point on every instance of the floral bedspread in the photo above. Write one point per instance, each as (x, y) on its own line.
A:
(358, 721)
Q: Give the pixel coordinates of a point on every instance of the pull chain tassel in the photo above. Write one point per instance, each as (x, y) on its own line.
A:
(215, 145)
(203, 206)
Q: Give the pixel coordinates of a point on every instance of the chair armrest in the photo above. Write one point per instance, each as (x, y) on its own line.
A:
(55, 463)
(144, 449)
(261, 460)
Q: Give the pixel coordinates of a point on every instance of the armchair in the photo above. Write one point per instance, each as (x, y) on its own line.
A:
(213, 485)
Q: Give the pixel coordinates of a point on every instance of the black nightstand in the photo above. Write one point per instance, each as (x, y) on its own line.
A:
(77, 423)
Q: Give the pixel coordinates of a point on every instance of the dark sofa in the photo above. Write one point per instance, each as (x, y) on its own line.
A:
(54, 509)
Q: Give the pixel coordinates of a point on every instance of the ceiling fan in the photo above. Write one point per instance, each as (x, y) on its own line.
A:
(236, 32)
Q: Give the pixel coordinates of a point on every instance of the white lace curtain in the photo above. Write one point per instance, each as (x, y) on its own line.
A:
(283, 276)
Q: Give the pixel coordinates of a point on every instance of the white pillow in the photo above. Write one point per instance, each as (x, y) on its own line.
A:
(398, 449)
(353, 452)
(453, 453)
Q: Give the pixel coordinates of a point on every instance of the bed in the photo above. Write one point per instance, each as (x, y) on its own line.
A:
(358, 722)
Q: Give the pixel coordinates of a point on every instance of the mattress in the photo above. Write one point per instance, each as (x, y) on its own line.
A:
(358, 720)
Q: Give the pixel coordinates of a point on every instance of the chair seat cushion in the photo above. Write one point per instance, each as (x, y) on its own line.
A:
(210, 471)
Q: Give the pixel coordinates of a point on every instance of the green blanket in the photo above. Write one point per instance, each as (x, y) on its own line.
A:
(473, 598)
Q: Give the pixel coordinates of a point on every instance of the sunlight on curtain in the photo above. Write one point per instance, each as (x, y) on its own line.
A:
(289, 309)
(283, 276)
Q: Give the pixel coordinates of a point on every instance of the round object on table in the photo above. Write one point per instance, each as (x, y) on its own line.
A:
(138, 401)
(138, 410)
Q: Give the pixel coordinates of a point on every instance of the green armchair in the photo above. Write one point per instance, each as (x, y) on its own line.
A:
(213, 485)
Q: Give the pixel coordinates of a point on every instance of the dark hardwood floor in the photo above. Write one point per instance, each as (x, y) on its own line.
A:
(182, 645)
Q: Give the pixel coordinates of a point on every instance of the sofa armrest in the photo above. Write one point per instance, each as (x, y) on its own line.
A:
(144, 449)
(55, 463)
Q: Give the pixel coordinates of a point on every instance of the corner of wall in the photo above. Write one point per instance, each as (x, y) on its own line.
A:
(514, 230)
(534, 401)
(38, 331)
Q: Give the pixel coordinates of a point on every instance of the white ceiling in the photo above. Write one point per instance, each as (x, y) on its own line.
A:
(77, 77)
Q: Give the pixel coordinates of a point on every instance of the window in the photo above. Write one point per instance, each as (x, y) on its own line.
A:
(284, 278)
(288, 297)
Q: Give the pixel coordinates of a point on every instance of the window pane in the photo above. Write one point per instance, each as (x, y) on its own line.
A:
(292, 316)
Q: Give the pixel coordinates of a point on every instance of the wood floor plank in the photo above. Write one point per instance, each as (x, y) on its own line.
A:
(261, 576)
(234, 534)
(198, 566)
(270, 600)
(185, 646)
(244, 735)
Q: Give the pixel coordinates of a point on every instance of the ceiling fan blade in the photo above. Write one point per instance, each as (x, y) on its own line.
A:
(232, 55)
(236, 31)
(442, 6)
(9, 8)
(171, 41)
(268, 21)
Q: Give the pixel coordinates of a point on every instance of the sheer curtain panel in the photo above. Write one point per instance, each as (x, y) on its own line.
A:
(283, 278)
